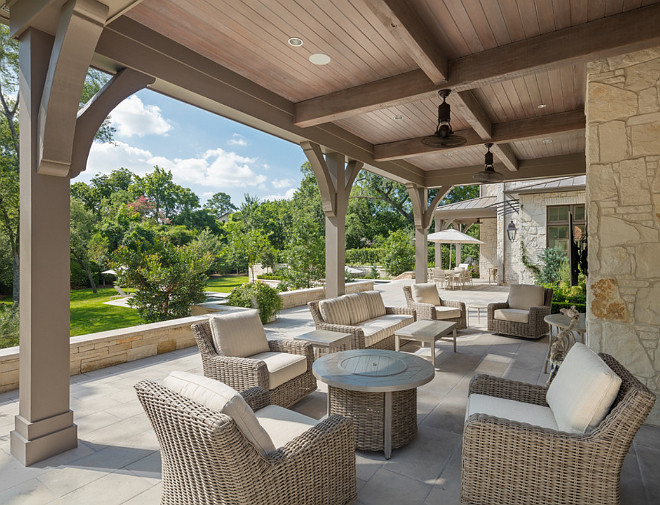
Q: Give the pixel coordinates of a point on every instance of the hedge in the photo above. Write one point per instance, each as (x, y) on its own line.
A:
(365, 256)
(580, 307)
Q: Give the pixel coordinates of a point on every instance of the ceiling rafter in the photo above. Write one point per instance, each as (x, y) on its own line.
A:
(613, 35)
(512, 131)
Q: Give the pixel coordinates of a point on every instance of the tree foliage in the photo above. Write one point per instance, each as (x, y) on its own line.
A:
(220, 204)
(399, 253)
(305, 254)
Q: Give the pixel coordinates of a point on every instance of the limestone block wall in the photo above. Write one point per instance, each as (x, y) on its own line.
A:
(487, 250)
(623, 194)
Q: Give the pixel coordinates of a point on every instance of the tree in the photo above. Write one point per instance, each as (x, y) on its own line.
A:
(305, 254)
(82, 229)
(168, 278)
(399, 253)
(249, 244)
(220, 204)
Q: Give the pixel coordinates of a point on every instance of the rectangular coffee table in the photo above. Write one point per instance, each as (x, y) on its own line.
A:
(426, 330)
(331, 341)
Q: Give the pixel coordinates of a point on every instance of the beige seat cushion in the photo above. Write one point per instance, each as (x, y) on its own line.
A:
(238, 334)
(374, 303)
(283, 425)
(358, 308)
(282, 366)
(512, 410)
(335, 311)
(583, 391)
(524, 296)
(515, 315)
(443, 312)
(425, 293)
(382, 327)
(219, 397)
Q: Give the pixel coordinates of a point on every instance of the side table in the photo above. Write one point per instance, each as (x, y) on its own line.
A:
(478, 308)
(329, 341)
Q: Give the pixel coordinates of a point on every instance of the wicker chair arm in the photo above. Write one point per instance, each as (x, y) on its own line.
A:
(509, 389)
(423, 310)
(456, 305)
(299, 347)
(239, 373)
(357, 342)
(492, 307)
(400, 310)
(256, 398)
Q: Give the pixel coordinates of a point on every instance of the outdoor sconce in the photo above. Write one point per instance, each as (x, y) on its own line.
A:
(511, 231)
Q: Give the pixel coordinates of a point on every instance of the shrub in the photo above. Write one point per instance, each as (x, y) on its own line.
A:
(399, 253)
(256, 295)
(270, 277)
(9, 322)
(552, 260)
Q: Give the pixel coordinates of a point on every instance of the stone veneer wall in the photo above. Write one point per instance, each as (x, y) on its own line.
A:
(487, 250)
(623, 195)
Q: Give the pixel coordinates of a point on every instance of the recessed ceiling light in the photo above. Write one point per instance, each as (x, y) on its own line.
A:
(319, 59)
(295, 41)
(448, 154)
(547, 141)
(398, 116)
(541, 106)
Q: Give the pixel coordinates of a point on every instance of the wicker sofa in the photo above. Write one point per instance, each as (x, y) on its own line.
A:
(526, 461)
(208, 457)
(427, 304)
(244, 370)
(523, 312)
(365, 316)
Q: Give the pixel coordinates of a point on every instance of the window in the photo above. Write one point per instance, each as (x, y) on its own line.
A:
(557, 225)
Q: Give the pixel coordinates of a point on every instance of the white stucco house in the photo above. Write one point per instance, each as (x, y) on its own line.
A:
(519, 216)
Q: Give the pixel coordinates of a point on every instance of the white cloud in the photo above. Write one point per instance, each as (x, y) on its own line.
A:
(133, 118)
(237, 140)
(282, 183)
(214, 169)
(287, 196)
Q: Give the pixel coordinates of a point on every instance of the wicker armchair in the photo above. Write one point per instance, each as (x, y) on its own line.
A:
(428, 310)
(535, 327)
(207, 459)
(520, 464)
(245, 373)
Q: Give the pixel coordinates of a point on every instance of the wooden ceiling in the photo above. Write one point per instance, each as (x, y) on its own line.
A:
(516, 69)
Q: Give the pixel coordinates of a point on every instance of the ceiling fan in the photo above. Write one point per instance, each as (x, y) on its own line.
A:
(488, 175)
(444, 135)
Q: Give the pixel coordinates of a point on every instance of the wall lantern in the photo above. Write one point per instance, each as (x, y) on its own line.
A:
(511, 231)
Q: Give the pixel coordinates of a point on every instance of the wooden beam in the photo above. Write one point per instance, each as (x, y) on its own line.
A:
(401, 20)
(505, 154)
(564, 165)
(614, 35)
(469, 108)
(513, 131)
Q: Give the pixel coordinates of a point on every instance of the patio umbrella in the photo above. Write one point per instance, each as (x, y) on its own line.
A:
(109, 272)
(452, 236)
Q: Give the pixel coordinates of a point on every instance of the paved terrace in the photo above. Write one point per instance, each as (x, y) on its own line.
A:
(117, 460)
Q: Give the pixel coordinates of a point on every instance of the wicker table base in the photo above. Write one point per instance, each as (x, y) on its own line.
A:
(368, 412)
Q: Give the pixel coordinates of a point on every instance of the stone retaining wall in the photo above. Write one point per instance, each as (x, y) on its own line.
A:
(302, 296)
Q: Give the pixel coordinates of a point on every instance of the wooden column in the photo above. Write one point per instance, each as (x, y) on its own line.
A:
(335, 180)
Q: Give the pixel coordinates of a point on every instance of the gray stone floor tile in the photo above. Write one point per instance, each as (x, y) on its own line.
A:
(30, 492)
(111, 489)
(447, 487)
(390, 487)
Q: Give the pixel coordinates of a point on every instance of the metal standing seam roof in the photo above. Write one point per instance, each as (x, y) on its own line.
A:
(550, 185)
(484, 206)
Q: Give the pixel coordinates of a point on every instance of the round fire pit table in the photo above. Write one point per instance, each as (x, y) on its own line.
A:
(378, 390)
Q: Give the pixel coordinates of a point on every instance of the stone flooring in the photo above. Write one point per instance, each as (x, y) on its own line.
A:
(117, 460)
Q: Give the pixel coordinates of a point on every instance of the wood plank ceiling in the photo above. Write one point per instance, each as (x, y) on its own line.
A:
(370, 41)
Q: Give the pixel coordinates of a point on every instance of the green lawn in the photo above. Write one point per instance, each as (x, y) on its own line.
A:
(225, 284)
(89, 313)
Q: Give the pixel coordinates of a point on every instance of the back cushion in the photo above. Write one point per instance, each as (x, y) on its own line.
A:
(357, 307)
(239, 334)
(218, 397)
(425, 293)
(524, 296)
(583, 391)
(335, 311)
(374, 303)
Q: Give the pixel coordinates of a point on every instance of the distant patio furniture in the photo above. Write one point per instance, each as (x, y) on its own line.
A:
(119, 290)
(235, 351)
(439, 277)
(377, 389)
(209, 457)
(492, 275)
(427, 304)
(364, 315)
(523, 312)
(513, 454)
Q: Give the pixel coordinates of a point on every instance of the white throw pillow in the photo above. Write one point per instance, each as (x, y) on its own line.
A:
(524, 296)
(219, 397)
(583, 391)
(426, 293)
(239, 334)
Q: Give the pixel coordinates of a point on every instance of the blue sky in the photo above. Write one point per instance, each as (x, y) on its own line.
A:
(205, 152)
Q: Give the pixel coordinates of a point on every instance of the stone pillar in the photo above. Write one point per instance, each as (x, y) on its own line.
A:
(623, 212)
(487, 250)
(44, 425)
(335, 183)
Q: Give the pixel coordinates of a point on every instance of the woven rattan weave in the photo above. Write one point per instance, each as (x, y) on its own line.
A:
(506, 462)
(536, 327)
(245, 373)
(206, 460)
(427, 310)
